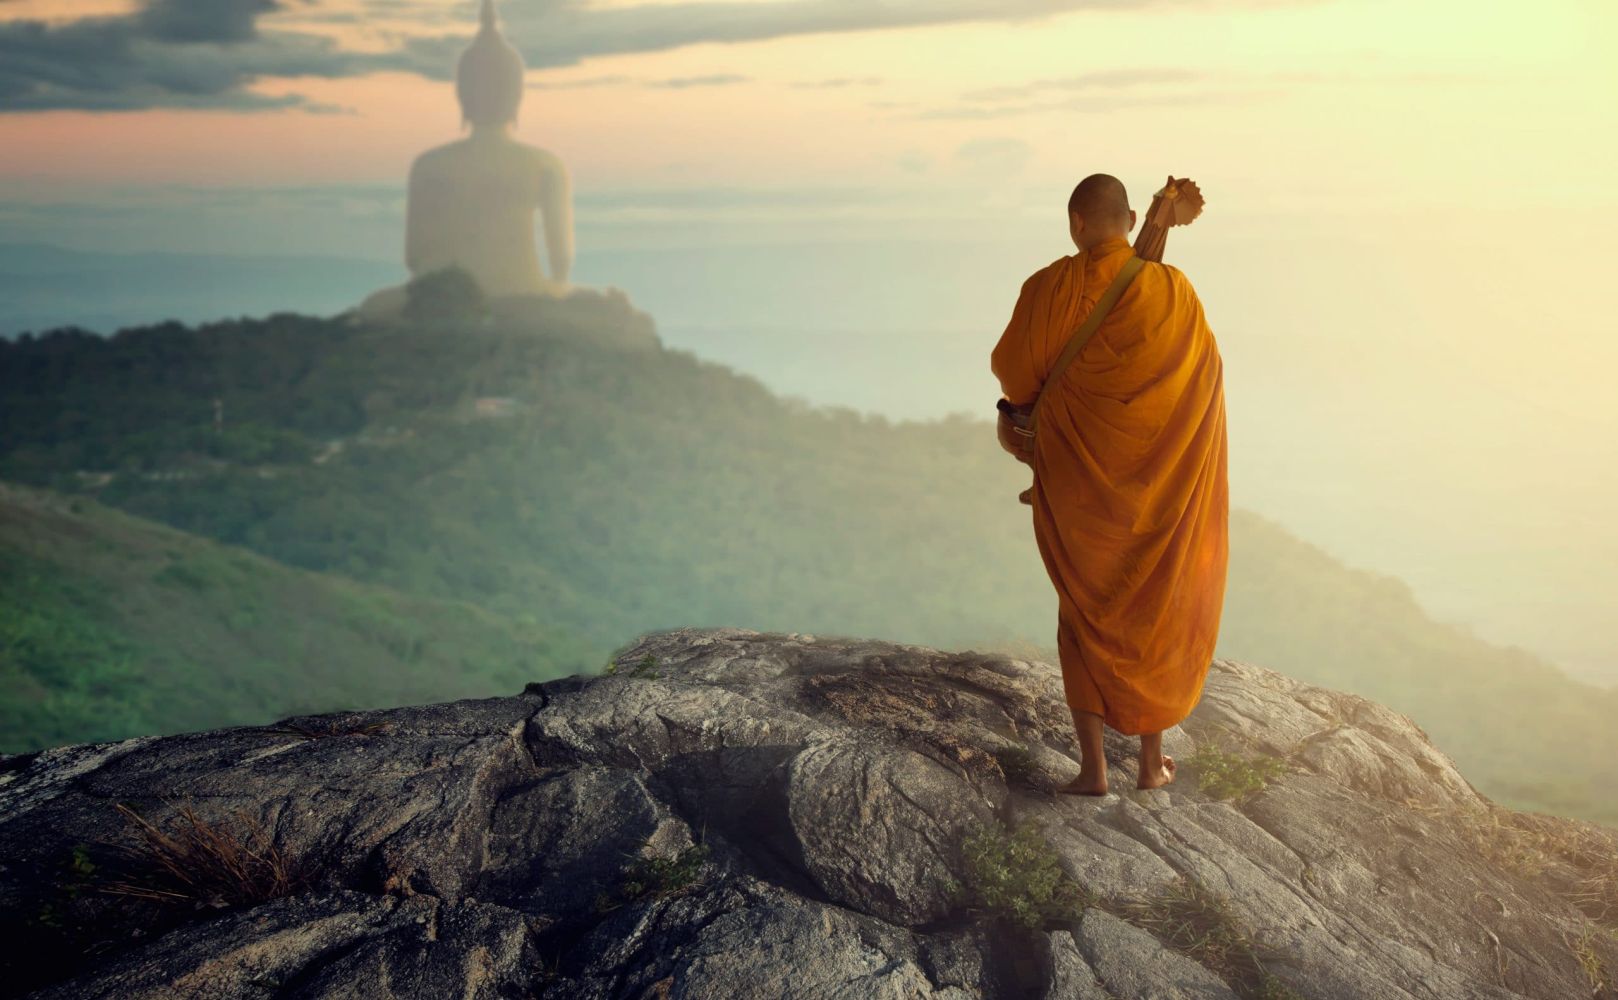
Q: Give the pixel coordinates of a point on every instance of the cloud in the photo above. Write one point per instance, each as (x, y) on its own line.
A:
(710, 80)
(1091, 105)
(585, 83)
(202, 20)
(169, 53)
(565, 32)
(1121, 79)
(1100, 91)
(915, 161)
(1113, 90)
(994, 157)
(210, 53)
(622, 80)
(839, 81)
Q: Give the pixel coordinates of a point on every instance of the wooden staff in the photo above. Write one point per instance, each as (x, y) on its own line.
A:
(1177, 204)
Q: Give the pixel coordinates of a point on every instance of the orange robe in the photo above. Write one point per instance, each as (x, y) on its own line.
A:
(1131, 501)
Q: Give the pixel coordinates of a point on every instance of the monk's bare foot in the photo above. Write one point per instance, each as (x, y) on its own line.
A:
(1086, 784)
(1159, 777)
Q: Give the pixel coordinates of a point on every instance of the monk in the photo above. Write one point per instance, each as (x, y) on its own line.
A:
(1130, 496)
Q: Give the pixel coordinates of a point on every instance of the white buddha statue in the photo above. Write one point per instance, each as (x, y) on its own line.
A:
(472, 202)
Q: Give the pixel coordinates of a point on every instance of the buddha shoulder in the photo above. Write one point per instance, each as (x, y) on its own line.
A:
(543, 160)
(438, 160)
(457, 156)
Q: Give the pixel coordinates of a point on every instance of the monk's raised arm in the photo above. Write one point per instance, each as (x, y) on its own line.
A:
(1012, 359)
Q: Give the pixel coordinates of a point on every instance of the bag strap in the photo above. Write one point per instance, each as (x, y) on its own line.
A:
(1082, 335)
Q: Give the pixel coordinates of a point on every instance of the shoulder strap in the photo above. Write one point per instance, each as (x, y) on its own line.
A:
(1082, 335)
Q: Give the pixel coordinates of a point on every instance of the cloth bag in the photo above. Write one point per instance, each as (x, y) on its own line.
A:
(1015, 424)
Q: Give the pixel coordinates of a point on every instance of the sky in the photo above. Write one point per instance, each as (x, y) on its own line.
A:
(1406, 254)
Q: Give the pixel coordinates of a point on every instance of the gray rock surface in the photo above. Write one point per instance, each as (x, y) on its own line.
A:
(1130, 964)
(735, 814)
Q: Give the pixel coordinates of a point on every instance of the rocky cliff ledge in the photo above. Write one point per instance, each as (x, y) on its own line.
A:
(732, 814)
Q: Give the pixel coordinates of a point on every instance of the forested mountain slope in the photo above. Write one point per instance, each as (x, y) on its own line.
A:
(565, 471)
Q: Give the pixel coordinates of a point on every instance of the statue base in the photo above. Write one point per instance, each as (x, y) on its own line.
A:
(601, 316)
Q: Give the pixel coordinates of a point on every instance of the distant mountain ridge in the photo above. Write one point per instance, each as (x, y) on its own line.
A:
(544, 472)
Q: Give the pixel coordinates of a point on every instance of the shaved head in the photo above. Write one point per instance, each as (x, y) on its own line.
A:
(1101, 200)
(1098, 209)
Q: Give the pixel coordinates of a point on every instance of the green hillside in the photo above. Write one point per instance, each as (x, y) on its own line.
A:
(534, 472)
(111, 626)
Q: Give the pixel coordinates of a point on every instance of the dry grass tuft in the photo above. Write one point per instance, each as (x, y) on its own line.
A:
(1578, 860)
(1593, 854)
(1522, 851)
(1201, 923)
(1590, 963)
(200, 864)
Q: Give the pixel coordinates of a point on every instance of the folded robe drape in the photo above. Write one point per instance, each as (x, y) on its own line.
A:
(1131, 499)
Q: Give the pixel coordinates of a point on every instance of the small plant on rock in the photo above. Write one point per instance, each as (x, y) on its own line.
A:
(1223, 774)
(657, 877)
(55, 926)
(665, 876)
(1016, 763)
(1016, 874)
(76, 876)
(645, 667)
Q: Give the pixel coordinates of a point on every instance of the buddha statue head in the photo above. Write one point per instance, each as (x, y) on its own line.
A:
(489, 78)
